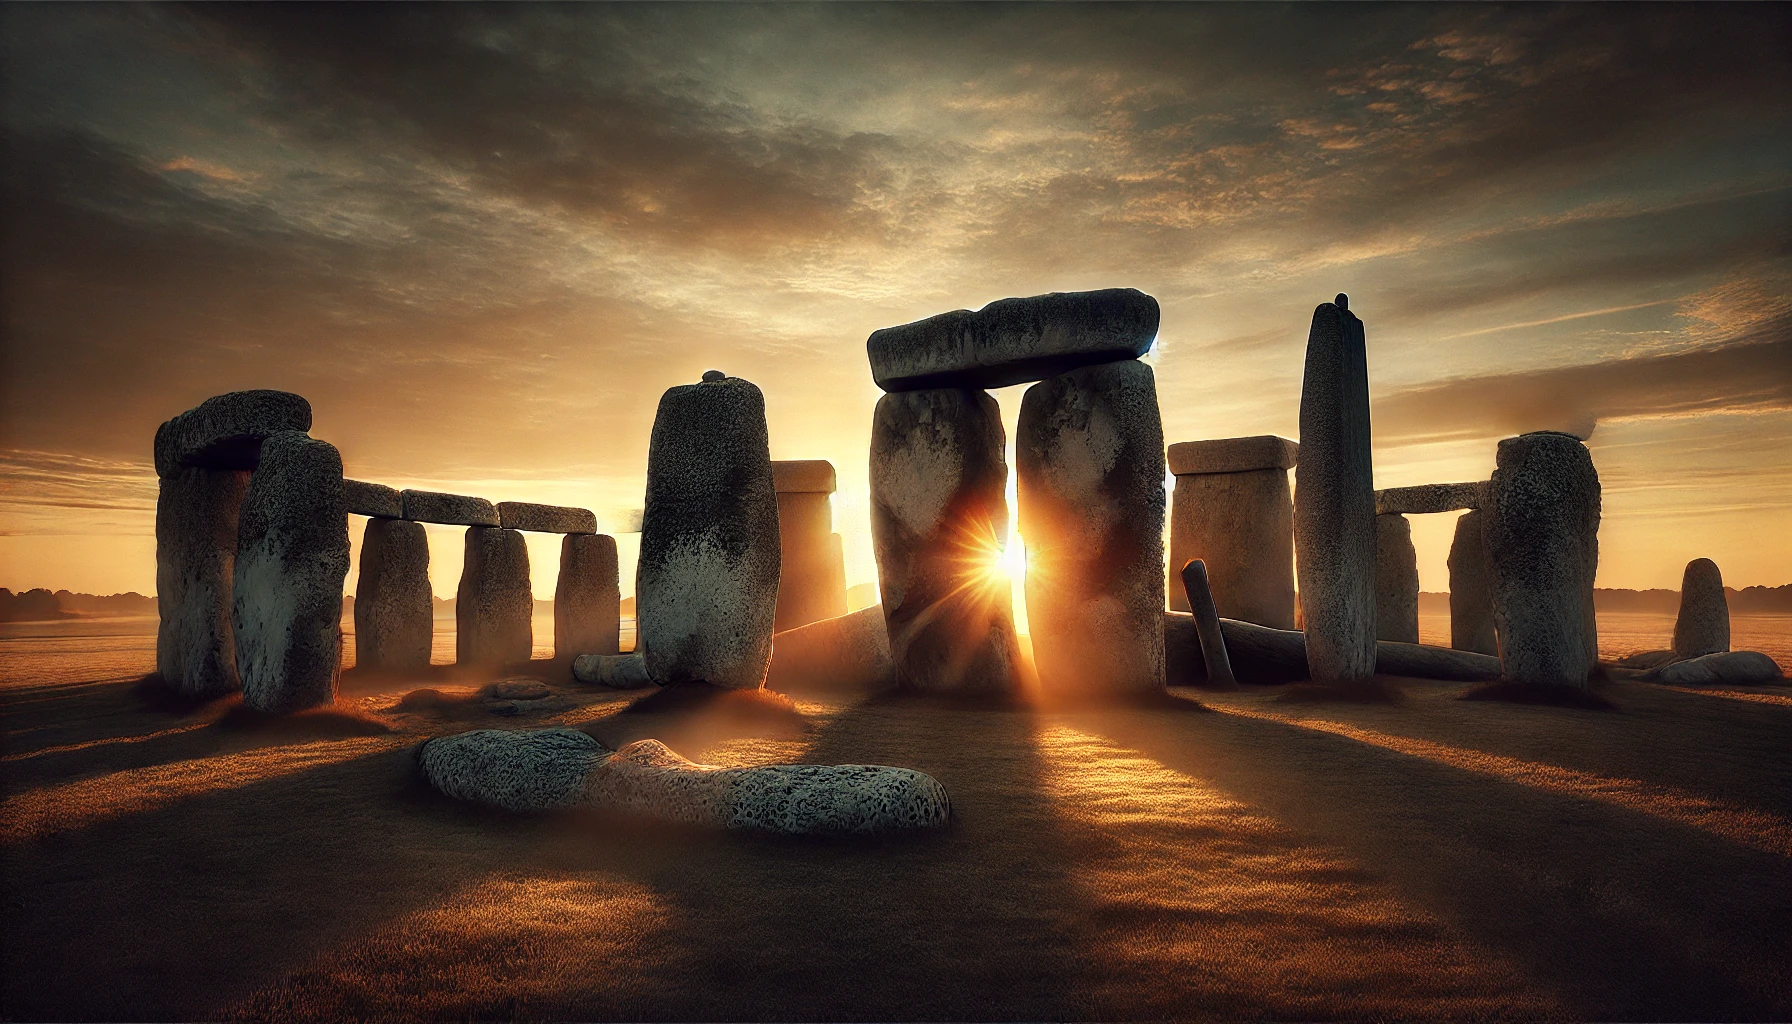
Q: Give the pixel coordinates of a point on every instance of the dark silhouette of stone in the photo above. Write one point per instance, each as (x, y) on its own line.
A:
(939, 521)
(196, 524)
(1471, 589)
(1334, 506)
(494, 605)
(1012, 341)
(812, 577)
(448, 509)
(846, 654)
(588, 597)
(1541, 525)
(394, 612)
(365, 499)
(1260, 654)
(532, 518)
(291, 560)
(226, 432)
(1430, 498)
(1207, 626)
(1233, 509)
(707, 580)
(1703, 626)
(1732, 668)
(1091, 460)
(1396, 580)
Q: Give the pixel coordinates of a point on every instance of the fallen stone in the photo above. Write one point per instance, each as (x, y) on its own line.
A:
(797, 476)
(1471, 589)
(707, 579)
(394, 607)
(365, 499)
(1430, 498)
(538, 770)
(1703, 625)
(196, 526)
(226, 432)
(1334, 506)
(494, 604)
(939, 521)
(845, 654)
(530, 518)
(448, 509)
(517, 689)
(618, 671)
(1091, 461)
(1260, 655)
(1422, 661)
(1541, 526)
(587, 597)
(1735, 668)
(291, 560)
(1242, 526)
(1647, 659)
(1232, 455)
(1207, 626)
(1012, 341)
(1396, 580)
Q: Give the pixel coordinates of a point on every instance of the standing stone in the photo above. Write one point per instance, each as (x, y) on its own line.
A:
(1233, 509)
(1703, 626)
(939, 522)
(1396, 580)
(1334, 501)
(1542, 533)
(1091, 450)
(394, 610)
(1214, 659)
(495, 605)
(588, 597)
(1471, 589)
(291, 560)
(812, 580)
(707, 581)
(196, 521)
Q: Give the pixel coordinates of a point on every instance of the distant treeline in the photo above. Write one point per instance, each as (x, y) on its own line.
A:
(1748, 599)
(42, 605)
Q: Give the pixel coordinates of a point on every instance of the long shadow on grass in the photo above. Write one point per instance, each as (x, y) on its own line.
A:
(1630, 916)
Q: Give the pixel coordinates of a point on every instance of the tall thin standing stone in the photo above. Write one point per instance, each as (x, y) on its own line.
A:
(939, 522)
(196, 519)
(1090, 448)
(587, 597)
(707, 581)
(1334, 500)
(1396, 580)
(1703, 626)
(394, 606)
(494, 606)
(1471, 589)
(1542, 533)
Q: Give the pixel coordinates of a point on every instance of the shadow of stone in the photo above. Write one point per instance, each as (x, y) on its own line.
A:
(1532, 693)
(1378, 690)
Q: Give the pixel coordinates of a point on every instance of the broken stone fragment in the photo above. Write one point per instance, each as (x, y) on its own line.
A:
(448, 509)
(532, 518)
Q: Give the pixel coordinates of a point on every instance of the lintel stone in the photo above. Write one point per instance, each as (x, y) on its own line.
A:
(1428, 498)
(803, 476)
(376, 500)
(226, 431)
(1233, 455)
(531, 518)
(448, 509)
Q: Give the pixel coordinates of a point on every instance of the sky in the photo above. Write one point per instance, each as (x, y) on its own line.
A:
(482, 241)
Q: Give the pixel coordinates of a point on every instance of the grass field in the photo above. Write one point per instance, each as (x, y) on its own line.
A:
(1222, 856)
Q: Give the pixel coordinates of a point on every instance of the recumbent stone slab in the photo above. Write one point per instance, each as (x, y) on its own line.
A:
(226, 432)
(1241, 524)
(1703, 625)
(1734, 668)
(365, 499)
(1396, 580)
(291, 560)
(707, 580)
(1471, 589)
(532, 518)
(587, 597)
(494, 605)
(1430, 498)
(196, 525)
(394, 610)
(1233, 455)
(1090, 446)
(1012, 341)
(448, 509)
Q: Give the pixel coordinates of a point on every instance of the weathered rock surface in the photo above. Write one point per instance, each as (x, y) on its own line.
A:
(1012, 341)
(1735, 668)
(448, 509)
(537, 770)
(532, 518)
(1207, 626)
(938, 523)
(588, 597)
(707, 580)
(291, 560)
(1334, 507)
(1260, 654)
(494, 605)
(1471, 589)
(1232, 455)
(196, 525)
(812, 575)
(799, 476)
(1430, 498)
(1241, 524)
(226, 432)
(365, 499)
(618, 671)
(1541, 526)
(1703, 625)
(846, 654)
(394, 613)
(1396, 580)
(1091, 460)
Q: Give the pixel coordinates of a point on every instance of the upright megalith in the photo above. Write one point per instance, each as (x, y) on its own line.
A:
(495, 606)
(812, 579)
(1396, 580)
(706, 585)
(1090, 448)
(1703, 626)
(939, 522)
(394, 610)
(1334, 500)
(196, 521)
(1012, 341)
(588, 597)
(1542, 531)
(1471, 589)
(291, 560)
(1233, 509)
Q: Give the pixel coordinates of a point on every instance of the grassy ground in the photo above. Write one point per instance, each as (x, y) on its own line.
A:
(1222, 856)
